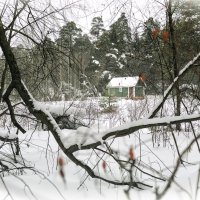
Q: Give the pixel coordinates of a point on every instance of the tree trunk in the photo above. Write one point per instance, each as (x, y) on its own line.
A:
(175, 66)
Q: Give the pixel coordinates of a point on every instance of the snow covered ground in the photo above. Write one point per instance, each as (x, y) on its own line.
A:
(40, 151)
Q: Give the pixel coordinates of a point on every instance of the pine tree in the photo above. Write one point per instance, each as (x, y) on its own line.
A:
(120, 34)
(73, 58)
(68, 35)
(97, 27)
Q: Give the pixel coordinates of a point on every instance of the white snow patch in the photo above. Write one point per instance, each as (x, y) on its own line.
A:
(96, 62)
(82, 136)
(111, 55)
(8, 133)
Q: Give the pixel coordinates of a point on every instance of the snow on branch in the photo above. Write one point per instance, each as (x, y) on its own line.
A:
(8, 135)
(81, 138)
(169, 89)
(85, 140)
(39, 107)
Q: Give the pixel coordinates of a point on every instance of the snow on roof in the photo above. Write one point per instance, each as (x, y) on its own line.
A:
(123, 82)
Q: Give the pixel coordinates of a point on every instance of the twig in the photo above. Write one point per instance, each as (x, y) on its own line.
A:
(6, 187)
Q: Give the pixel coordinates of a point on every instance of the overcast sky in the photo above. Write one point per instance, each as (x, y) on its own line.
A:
(83, 11)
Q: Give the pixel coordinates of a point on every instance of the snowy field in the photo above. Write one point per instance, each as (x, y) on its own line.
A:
(151, 147)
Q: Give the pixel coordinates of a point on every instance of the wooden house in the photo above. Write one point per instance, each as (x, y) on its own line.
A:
(128, 87)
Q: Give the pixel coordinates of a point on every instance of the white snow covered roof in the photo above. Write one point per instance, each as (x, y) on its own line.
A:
(123, 82)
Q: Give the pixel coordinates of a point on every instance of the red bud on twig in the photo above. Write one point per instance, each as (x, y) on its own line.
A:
(131, 154)
(104, 164)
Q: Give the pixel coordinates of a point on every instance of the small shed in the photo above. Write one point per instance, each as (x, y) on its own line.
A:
(129, 87)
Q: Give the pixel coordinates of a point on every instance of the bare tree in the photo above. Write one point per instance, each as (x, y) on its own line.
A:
(99, 140)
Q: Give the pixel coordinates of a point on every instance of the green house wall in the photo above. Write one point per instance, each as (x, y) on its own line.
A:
(118, 92)
(139, 91)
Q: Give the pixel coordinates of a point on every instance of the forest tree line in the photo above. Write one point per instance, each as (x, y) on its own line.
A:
(77, 63)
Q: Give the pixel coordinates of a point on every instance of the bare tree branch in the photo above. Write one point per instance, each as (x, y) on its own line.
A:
(170, 180)
(46, 117)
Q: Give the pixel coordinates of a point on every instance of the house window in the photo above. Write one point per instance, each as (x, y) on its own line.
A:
(120, 89)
